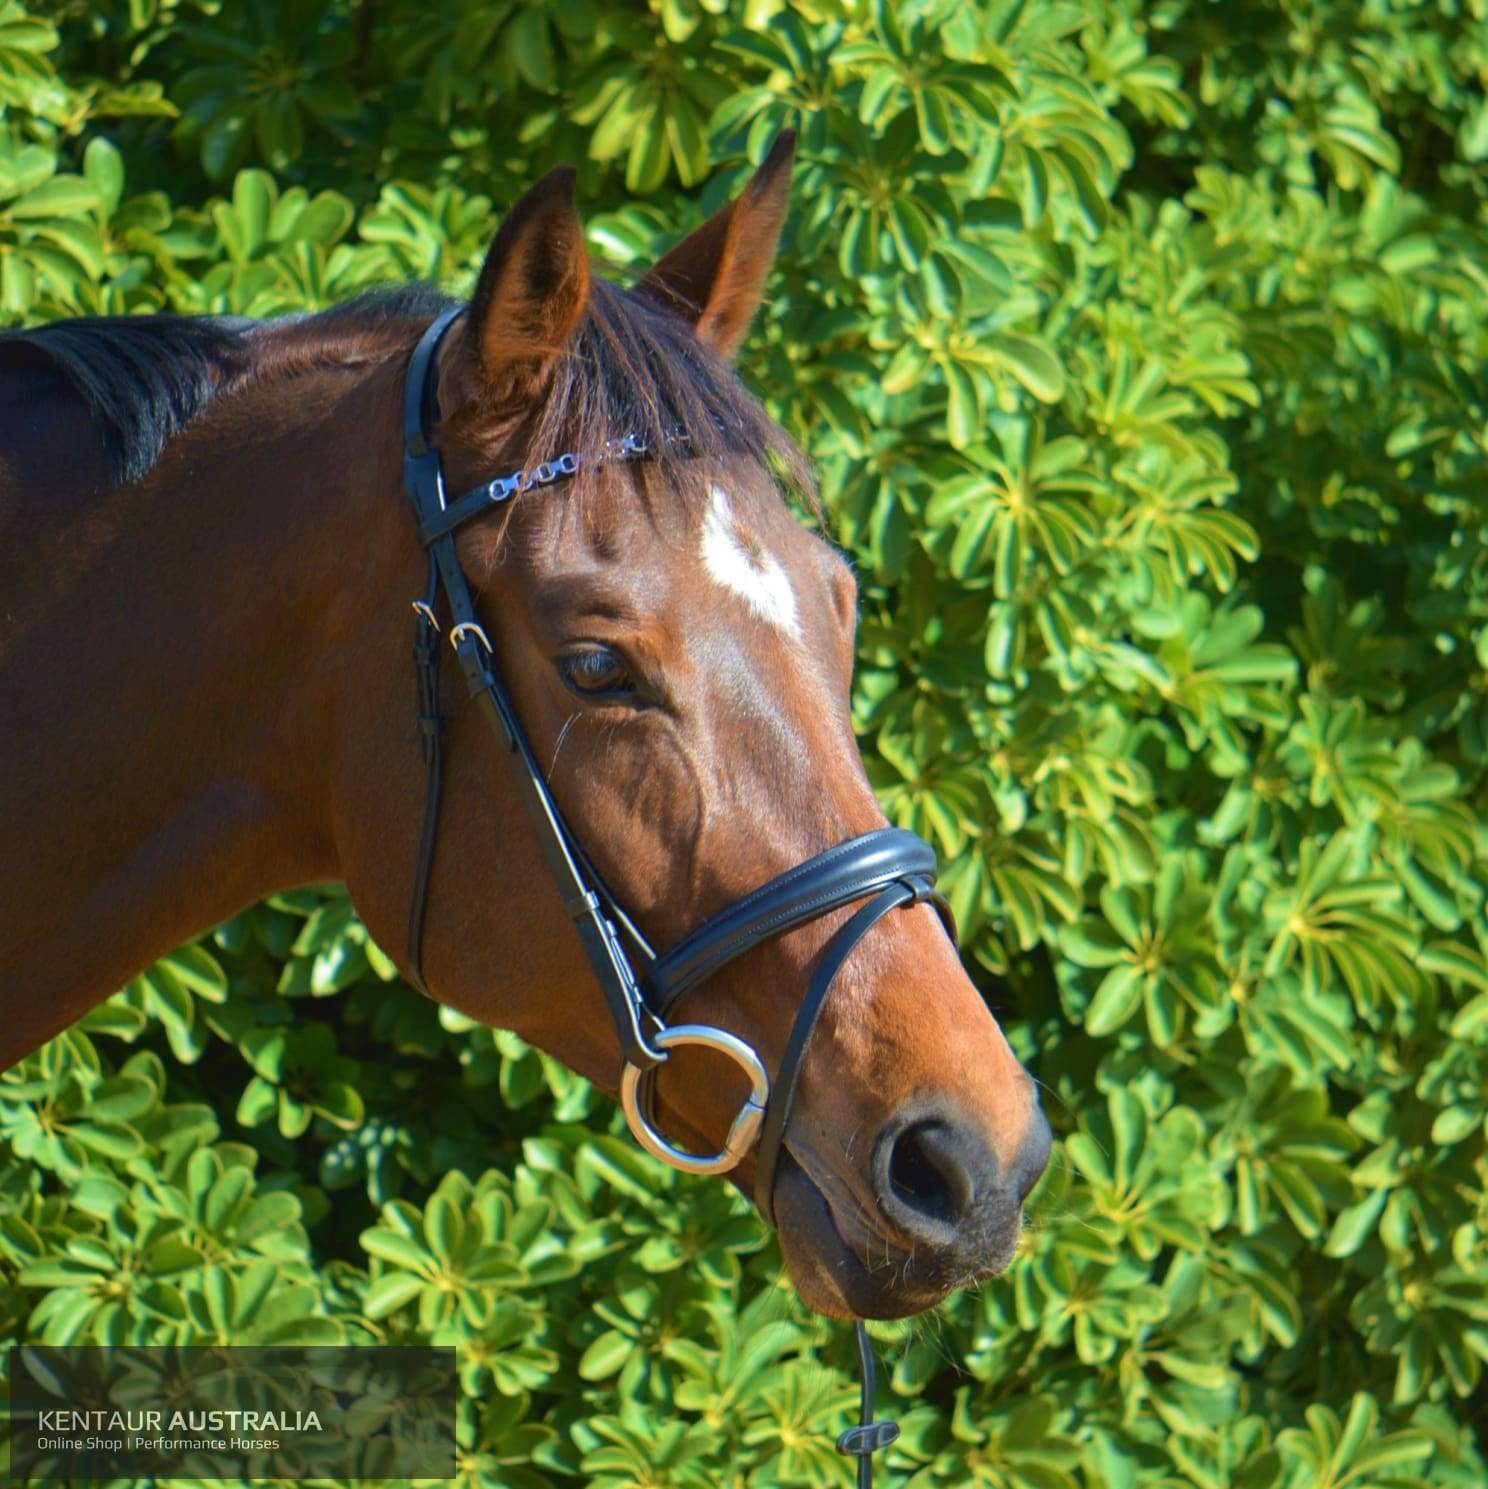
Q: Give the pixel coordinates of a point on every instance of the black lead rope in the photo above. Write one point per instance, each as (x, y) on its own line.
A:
(864, 1440)
(888, 868)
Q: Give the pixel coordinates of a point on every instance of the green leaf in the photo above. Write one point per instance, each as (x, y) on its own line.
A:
(963, 407)
(390, 1293)
(115, 1142)
(62, 196)
(1115, 1000)
(259, 1101)
(103, 167)
(605, 1356)
(1032, 363)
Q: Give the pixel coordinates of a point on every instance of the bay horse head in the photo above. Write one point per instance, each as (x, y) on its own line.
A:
(677, 650)
(208, 612)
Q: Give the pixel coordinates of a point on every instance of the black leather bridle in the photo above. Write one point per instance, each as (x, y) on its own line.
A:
(879, 871)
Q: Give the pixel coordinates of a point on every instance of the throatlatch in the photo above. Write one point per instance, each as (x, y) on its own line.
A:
(888, 868)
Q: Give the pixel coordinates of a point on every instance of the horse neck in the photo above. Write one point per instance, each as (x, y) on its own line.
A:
(175, 683)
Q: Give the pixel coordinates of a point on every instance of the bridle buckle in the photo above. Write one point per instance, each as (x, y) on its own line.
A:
(474, 630)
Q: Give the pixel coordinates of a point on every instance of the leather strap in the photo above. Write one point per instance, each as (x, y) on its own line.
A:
(476, 503)
(420, 409)
(423, 479)
(850, 871)
(902, 891)
(431, 735)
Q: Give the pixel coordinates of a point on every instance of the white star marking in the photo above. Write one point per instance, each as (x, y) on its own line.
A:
(754, 576)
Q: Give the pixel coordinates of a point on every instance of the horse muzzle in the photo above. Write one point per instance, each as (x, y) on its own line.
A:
(941, 1213)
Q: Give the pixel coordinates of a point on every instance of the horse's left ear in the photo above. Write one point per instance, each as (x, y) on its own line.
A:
(715, 277)
(532, 289)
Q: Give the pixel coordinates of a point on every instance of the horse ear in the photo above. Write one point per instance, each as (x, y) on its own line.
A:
(532, 289)
(715, 277)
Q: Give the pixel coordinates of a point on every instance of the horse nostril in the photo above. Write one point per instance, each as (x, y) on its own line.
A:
(928, 1177)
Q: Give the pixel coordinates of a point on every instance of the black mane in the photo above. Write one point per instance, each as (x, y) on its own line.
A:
(144, 378)
(633, 368)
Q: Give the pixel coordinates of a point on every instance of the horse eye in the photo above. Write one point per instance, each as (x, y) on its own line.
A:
(596, 672)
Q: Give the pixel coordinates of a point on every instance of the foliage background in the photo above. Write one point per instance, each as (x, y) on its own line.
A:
(1141, 348)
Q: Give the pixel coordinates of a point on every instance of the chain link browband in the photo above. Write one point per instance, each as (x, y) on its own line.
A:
(493, 493)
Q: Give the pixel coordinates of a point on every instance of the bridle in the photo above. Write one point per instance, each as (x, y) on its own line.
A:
(879, 871)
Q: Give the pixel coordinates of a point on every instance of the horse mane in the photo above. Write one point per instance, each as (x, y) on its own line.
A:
(144, 378)
(633, 367)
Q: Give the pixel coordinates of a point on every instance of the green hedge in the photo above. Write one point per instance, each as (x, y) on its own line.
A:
(1141, 348)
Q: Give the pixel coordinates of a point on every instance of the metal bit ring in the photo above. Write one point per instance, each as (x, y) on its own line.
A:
(746, 1125)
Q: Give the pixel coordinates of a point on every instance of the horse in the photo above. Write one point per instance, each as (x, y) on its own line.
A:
(207, 566)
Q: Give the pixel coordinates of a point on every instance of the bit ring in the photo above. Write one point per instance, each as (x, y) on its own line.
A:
(746, 1126)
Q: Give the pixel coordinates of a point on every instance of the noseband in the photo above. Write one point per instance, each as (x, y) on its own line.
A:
(879, 871)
